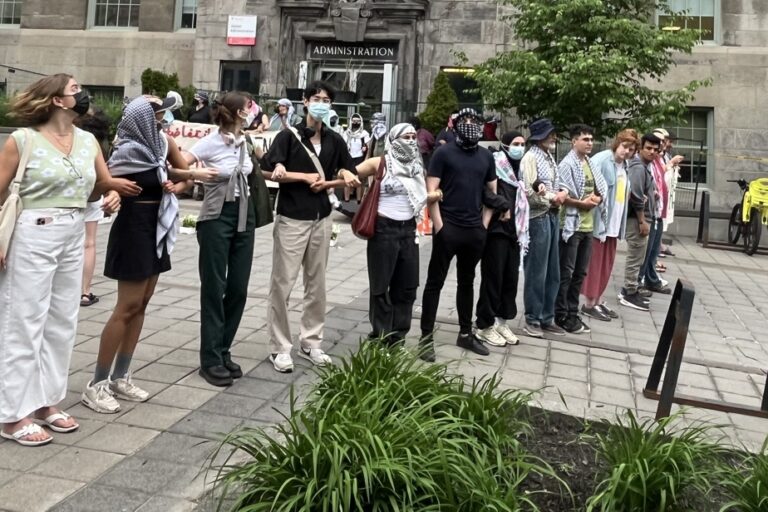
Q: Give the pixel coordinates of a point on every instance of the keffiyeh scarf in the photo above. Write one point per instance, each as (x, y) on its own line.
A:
(285, 121)
(404, 163)
(570, 176)
(505, 173)
(142, 147)
(378, 125)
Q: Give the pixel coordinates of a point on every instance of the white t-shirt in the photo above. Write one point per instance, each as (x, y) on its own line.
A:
(614, 223)
(355, 145)
(217, 154)
(393, 199)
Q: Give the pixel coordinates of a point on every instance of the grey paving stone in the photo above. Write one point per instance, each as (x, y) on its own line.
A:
(87, 428)
(99, 498)
(567, 371)
(20, 458)
(166, 373)
(6, 475)
(265, 371)
(147, 475)
(232, 405)
(271, 413)
(183, 397)
(78, 464)
(531, 351)
(567, 387)
(258, 388)
(612, 396)
(179, 448)
(120, 439)
(24, 494)
(522, 380)
(598, 378)
(152, 416)
(524, 364)
(182, 357)
(204, 424)
(165, 504)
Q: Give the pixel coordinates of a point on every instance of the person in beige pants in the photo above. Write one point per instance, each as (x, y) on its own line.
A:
(306, 162)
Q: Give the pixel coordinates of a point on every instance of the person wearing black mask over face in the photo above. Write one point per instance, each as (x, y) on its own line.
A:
(463, 171)
(201, 113)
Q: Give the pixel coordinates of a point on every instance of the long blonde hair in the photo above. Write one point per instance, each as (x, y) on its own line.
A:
(34, 105)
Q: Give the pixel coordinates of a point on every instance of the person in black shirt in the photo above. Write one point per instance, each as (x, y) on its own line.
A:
(463, 171)
(302, 230)
(200, 112)
(500, 264)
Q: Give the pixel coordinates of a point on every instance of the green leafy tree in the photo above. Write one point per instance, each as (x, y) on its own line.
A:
(158, 83)
(592, 61)
(442, 100)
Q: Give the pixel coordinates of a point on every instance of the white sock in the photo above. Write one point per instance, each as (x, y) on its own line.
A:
(499, 321)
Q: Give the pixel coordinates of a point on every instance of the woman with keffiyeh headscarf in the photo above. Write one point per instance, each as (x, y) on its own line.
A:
(378, 144)
(393, 255)
(357, 139)
(284, 117)
(140, 243)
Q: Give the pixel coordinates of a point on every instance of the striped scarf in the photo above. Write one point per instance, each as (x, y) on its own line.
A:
(505, 172)
(142, 147)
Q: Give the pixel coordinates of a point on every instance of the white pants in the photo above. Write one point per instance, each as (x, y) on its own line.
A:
(298, 244)
(39, 303)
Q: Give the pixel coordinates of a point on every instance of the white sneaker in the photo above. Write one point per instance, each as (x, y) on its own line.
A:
(490, 336)
(124, 388)
(507, 334)
(316, 355)
(98, 397)
(664, 282)
(282, 362)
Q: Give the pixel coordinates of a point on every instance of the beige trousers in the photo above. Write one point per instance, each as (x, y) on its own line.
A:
(298, 244)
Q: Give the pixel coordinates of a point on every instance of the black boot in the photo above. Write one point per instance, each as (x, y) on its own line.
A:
(427, 348)
(216, 376)
(469, 342)
(234, 369)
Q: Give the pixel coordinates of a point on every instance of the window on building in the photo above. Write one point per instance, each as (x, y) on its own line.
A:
(696, 14)
(694, 140)
(115, 13)
(463, 85)
(186, 14)
(240, 76)
(10, 12)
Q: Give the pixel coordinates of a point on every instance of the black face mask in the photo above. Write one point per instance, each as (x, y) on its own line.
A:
(355, 125)
(82, 103)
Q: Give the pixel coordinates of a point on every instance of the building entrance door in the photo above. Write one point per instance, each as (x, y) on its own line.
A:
(371, 85)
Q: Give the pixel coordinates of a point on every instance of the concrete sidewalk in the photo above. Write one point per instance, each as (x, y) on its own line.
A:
(148, 457)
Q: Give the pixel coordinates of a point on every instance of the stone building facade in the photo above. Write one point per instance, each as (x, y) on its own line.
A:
(388, 52)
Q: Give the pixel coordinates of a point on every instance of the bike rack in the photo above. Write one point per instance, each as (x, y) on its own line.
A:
(670, 350)
(702, 236)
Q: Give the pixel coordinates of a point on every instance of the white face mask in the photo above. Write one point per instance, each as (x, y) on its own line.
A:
(553, 147)
(249, 120)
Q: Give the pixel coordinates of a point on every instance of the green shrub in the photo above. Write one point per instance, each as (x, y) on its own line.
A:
(383, 432)
(748, 484)
(442, 100)
(651, 463)
(5, 117)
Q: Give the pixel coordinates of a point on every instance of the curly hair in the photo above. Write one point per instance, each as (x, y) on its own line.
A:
(628, 136)
(34, 105)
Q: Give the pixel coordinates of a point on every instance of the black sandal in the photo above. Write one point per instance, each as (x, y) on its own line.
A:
(88, 299)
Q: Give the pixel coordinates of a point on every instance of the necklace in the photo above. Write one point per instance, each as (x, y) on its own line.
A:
(62, 142)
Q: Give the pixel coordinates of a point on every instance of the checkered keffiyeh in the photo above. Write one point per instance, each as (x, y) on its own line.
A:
(140, 147)
(570, 176)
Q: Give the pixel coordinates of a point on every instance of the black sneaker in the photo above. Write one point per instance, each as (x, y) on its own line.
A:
(584, 327)
(572, 324)
(607, 311)
(553, 329)
(644, 292)
(633, 300)
(660, 288)
(595, 312)
(427, 348)
(471, 343)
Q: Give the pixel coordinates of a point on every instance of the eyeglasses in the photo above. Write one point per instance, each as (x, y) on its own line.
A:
(72, 169)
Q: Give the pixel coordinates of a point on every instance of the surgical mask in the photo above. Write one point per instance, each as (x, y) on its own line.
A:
(82, 103)
(553, 147)
(248, 120)
(168, 118)
(320, 111)
(515, 152)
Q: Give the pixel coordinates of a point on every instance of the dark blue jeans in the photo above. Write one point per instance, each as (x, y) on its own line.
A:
(648, 272)
(542, 270)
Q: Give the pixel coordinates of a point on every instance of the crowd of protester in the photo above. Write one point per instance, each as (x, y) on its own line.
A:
(511, 209)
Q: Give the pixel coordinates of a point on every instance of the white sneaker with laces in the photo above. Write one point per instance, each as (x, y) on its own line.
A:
(490, 336)
(283, 363)
(98, 397)
(316, 356)
(125, 388)
(507, 334)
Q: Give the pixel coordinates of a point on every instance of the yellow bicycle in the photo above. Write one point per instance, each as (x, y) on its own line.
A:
(748, 215)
